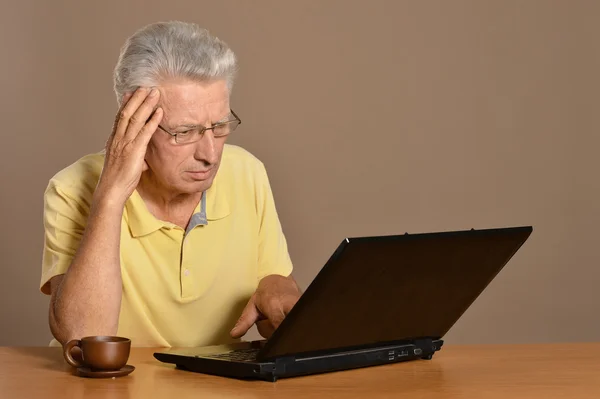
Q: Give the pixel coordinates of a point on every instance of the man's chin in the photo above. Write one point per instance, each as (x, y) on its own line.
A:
(194, 183)
(195, 186)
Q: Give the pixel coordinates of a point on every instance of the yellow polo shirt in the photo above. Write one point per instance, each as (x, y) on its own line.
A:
(180, 288)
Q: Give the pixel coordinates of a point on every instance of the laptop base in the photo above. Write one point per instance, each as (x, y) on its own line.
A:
(293, 366)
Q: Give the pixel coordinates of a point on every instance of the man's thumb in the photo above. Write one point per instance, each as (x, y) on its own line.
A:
(249, 316)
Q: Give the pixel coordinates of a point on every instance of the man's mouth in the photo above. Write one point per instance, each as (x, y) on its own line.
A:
(199, 174)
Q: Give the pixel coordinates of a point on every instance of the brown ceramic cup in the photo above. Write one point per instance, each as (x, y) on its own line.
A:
(104, 353)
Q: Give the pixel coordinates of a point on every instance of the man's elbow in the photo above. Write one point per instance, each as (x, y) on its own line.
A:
(56, 328)
(62, 327)
(57, 332)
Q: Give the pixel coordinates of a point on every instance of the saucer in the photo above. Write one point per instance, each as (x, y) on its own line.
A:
(87, 372)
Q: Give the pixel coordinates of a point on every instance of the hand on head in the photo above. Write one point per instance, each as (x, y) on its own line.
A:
(134, 126)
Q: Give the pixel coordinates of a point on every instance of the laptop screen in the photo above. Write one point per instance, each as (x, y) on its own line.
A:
(376, 290)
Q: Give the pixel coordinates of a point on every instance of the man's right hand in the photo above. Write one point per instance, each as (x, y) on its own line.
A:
(126, 147)
(87, 299)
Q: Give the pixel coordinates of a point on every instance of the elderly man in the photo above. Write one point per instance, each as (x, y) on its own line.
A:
(169, 236)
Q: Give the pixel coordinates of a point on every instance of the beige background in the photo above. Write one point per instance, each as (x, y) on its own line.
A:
(373, 117)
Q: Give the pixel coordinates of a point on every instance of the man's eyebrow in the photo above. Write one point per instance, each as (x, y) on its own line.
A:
(184, 122)
(225, 118)
(186, 125)
(193, 126)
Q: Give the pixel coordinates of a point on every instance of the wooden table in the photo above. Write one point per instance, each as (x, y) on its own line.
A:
(510, 371)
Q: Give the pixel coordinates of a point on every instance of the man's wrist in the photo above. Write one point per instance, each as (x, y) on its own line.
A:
(108, 201)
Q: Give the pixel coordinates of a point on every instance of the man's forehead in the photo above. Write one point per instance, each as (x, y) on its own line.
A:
(190, 102)
(209, 107)
(193, 93)
(194, 114)
(193, 103)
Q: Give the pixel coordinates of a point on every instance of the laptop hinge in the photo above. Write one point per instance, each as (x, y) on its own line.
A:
(282, 361)
(427, 347)
(279, 365)
(426, 344)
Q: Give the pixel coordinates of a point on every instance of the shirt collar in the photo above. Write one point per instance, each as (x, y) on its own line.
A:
(214, 205)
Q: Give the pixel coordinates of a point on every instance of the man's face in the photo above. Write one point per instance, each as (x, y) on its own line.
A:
(188, 168)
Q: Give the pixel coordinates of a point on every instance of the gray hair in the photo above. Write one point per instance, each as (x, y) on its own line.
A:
(173, 49)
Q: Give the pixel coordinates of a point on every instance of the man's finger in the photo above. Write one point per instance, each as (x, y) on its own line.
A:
(150, 128)
(141, 115)
(111, 137)
(124, 101)
(276, 317)
(288, 304)
(274, 309)
(249, 316)
(265, 328)
(129, 108)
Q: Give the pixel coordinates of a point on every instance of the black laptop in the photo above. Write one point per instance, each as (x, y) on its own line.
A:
(378, 300)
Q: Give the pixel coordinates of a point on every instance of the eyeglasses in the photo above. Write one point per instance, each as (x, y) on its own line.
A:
(220, 129)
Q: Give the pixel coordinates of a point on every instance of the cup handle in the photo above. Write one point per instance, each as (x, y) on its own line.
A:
(67, 352)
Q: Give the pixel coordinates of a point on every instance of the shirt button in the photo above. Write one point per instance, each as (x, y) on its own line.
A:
(186, 272)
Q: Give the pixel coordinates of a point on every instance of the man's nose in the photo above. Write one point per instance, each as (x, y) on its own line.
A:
(206, 148)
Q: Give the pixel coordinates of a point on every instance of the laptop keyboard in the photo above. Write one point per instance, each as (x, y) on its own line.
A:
(241, 355)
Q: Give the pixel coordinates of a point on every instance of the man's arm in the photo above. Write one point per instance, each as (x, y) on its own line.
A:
(277, 292)
(86, 300)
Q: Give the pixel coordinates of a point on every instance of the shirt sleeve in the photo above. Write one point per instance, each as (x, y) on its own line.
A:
(273, 252)
(64, 223)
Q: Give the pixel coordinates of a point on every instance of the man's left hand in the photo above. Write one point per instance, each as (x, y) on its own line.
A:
(274, 298)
